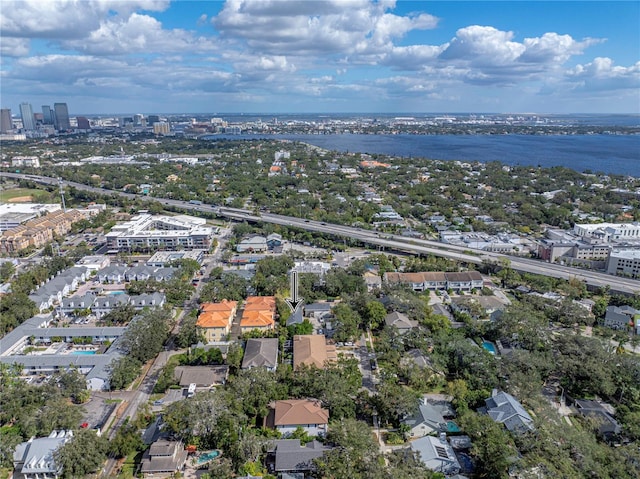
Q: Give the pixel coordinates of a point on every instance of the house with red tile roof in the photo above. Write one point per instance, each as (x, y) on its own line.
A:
(259, 313)
(286, 416)
(215, 319)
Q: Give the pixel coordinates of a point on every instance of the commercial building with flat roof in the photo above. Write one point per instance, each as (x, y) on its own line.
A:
(624, 263)
(148, 232)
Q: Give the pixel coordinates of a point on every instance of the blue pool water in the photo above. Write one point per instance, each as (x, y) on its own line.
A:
(83, 352)
(489, 346)
(116, 292)
(452, 427)
(207, 456)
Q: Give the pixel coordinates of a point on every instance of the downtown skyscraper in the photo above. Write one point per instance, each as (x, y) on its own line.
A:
(5, 120)
(28, 120)
(48, 116)
(61, 116)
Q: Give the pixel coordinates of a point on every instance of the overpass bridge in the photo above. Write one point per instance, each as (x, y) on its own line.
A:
(395, 242)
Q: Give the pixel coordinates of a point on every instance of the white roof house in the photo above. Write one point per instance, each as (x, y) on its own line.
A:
(34, 458)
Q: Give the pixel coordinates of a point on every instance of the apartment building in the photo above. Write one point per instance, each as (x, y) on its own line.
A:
(38, 231)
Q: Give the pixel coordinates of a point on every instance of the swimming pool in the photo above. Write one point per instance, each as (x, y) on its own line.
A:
(489, 346)
(208, 456)
(452, 427)
(115, 292)
(83, 352)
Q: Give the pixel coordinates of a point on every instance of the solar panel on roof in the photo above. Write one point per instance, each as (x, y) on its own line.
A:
(442, 452)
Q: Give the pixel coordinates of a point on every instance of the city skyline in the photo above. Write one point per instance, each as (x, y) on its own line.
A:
(300, 57)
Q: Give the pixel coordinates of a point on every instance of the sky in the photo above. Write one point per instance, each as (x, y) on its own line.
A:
(333, 56)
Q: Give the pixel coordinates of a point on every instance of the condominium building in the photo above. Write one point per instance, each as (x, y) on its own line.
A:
(259, 313)
(215, 320)
(15, 214)
(39, 231)
(161, 128)
(146, 232)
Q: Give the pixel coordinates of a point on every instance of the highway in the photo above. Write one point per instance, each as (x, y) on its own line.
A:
(385, 240)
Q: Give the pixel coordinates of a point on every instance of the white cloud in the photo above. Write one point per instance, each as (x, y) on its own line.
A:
(412, 57)
(14, 47)
(77, 74)
(483, 46)
(602, 74)
(553, 48)
(299, 28)
(137, 34)
(65, 19)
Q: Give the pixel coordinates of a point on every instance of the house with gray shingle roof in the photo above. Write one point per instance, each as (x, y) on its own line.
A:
(261, 352)
(75, 303)
(289, 456)
(112, 274)
(504, 408)
(139, 273)
(152, 300)
(105, 304)
(620, 317)
(295, 317)
(400, 321)
(164, 274)
(425, 420)
(607, 425)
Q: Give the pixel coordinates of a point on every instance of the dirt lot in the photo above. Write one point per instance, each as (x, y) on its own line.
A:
(19, 199)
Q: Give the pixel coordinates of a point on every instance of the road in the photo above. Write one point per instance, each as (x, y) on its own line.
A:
(389, 241)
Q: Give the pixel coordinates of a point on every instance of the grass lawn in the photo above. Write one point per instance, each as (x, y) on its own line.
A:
(130, 465)
(6, 195)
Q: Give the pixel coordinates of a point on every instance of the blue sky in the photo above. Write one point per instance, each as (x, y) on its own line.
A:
(280, 56)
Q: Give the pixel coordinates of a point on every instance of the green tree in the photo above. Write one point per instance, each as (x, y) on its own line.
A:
(120, 315)
(74, 385)
(189, 333)
(7, 269)
(229, 286)
(84, 454)
(145, 336)
(264, 387)
(354, 453)
(199, 417)
(123, 371)
(234, 357)
(300, 329)
(375, 314)
(585, 367)
(347, 322)
(492, 446)
(126, 441)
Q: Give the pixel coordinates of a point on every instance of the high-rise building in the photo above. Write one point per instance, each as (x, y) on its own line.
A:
(161, 128)
(83, 123)
(47, 115)
(5, 120)
(26, 112)
(62, 116)
(151, 119)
